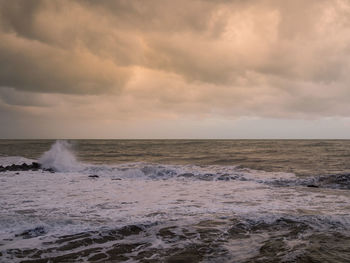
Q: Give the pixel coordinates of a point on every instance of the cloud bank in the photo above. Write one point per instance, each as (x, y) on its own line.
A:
(169, 60)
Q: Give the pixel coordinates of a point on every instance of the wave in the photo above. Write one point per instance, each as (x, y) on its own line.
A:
(134, 211)
(60, 158)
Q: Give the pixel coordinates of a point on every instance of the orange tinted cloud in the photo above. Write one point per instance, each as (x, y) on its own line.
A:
(117, 60)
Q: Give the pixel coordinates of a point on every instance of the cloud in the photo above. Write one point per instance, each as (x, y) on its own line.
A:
(34, 66)
(118, 60)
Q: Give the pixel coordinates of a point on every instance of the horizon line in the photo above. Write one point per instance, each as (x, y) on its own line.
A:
(174, 139)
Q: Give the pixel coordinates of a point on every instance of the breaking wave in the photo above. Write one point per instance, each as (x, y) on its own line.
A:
(60, 158)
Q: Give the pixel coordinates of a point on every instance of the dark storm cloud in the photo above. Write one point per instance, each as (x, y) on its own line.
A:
(19, 16)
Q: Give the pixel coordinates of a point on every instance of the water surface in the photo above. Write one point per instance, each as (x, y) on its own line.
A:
(176, 201)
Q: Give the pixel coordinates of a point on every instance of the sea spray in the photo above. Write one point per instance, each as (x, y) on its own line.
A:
(60, 158)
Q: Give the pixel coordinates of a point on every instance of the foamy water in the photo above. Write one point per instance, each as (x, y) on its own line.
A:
(156, 197)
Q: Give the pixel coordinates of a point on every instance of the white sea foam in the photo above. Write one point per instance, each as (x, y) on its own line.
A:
(139, 193)
(9, 160)
(60, 158)
(143, 193)
(71, 199)
(187, 172)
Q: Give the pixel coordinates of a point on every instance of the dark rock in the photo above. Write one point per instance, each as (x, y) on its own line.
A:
(35, 165)
(12, 167)
(312, 185)
(21, 167)
(24, 167)
(94, 176)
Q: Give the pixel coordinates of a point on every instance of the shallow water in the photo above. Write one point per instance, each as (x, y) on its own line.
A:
(176, 208)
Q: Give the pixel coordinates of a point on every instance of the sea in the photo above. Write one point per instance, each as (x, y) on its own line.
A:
(175, 201)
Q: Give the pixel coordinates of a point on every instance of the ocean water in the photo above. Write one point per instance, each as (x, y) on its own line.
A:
(176, 201)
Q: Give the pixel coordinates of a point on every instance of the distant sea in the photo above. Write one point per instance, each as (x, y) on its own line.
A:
(175, 201)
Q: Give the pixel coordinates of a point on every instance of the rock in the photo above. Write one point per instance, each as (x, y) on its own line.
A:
(35, 165)
(312, 185)
(12, 167)
(21, 167)
(24, 167)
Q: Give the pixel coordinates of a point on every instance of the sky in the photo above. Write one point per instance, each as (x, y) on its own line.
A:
(157, 69)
